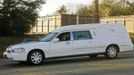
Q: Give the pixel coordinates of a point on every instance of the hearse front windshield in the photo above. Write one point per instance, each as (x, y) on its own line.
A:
(48, 37)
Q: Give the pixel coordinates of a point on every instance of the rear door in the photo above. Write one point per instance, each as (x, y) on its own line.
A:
(83, 42)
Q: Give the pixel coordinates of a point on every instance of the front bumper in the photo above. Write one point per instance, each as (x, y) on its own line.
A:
(5, 55)
(15, 56)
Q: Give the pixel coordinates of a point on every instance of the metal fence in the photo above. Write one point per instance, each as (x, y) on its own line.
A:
(46, 24)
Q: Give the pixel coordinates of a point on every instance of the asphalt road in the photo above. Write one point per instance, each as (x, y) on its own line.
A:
(123, 65)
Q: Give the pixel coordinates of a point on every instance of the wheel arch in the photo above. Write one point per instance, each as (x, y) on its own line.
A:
(116, 45)
(37, 50)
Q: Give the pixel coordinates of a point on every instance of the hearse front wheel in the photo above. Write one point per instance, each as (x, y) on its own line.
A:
(112, 52)
(35, 57)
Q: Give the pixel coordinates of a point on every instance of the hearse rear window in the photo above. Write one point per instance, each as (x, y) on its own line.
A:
(81, 35)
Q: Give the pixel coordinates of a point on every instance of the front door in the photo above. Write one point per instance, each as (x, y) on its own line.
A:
(62, 47)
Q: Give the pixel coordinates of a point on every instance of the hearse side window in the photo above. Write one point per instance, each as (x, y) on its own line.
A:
(64, 36)
(81, 35)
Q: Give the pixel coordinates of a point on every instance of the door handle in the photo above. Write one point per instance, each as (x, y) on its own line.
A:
(67, 43)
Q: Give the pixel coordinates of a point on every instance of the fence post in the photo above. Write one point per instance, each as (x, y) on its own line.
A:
(124, 21)
(42, 23)
(48, 27)
(97, 16)
(84, 19)
(77, 19)
(55, 22)
(37, 26)
(92, 18)
(133, 22)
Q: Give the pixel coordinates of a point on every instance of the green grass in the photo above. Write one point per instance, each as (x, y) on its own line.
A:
(132, 37)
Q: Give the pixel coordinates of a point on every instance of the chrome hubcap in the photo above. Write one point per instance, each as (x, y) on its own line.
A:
(36, 57)
(112, 51)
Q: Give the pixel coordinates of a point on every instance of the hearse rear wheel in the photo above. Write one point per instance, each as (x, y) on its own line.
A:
(112, 52)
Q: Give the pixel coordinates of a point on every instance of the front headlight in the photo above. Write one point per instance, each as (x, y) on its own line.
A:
(8, 49)
(18, 50)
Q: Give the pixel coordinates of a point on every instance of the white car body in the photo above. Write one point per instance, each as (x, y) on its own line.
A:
(103, 35)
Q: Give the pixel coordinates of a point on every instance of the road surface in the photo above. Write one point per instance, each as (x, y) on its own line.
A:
(123, 65)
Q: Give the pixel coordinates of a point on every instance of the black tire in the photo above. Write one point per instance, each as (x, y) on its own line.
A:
(111, 52)
(35, 57)
(93, 56)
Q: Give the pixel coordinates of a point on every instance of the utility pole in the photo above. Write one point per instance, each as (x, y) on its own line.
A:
(97, 17)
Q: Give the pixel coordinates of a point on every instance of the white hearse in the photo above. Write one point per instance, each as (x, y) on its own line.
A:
(74, 40)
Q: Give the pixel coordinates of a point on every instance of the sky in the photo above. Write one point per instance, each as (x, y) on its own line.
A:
(52, 5)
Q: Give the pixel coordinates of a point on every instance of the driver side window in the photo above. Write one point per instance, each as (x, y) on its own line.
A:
(64, 36)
